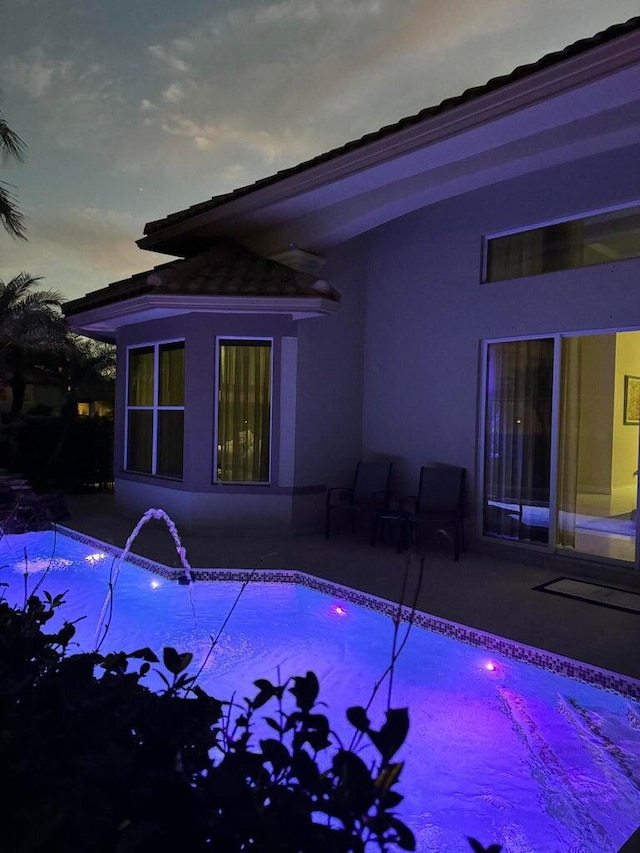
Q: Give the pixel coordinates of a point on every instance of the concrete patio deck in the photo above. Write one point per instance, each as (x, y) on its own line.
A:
(484, 591)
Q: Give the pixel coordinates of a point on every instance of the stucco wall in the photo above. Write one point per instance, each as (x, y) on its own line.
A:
(427, 311)
(329, 380)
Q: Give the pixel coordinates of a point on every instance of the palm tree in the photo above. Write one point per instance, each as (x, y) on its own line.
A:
(88, 369)
(33, 333)
(11, 147)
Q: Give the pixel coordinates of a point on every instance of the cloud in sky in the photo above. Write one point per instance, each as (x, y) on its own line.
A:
(78, 250)
(131, 116)
(169, 56)
(173, 93)
(33, 76)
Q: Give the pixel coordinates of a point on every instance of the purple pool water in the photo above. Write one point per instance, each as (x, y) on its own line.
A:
(497, 749)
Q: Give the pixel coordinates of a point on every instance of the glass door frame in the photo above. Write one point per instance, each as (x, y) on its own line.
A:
(551, 547)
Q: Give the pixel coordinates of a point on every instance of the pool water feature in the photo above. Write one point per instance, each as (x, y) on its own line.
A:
(152, 513)
(497, 749)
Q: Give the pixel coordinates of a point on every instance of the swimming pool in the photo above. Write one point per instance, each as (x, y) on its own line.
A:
(497, 749)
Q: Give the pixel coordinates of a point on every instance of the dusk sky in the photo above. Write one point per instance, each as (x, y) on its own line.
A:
(133, 109)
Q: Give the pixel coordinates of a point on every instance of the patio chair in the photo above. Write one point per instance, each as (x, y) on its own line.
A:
(368, 494)
(438, 506)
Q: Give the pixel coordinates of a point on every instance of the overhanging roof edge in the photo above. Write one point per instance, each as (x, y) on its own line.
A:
(523, 87)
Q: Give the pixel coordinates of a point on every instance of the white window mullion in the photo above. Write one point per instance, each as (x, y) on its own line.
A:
(156, 394)
(556, 390)
(154, 444)
(125, 448)
(216, 406)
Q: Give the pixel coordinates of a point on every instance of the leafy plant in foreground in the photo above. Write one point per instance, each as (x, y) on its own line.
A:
(94, 759)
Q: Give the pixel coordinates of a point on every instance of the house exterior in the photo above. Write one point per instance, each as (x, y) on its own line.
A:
(461, 287)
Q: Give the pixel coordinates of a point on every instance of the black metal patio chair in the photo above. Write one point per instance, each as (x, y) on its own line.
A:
(438, 506)
(368, 494)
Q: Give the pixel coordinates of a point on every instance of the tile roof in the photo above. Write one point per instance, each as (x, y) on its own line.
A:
(227, 269)
(579, 47)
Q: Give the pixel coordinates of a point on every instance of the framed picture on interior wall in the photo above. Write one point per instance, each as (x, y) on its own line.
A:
(632, 399)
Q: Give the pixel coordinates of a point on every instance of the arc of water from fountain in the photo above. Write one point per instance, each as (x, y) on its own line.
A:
(161, 515)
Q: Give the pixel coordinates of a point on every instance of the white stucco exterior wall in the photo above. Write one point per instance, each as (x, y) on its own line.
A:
(427, 311)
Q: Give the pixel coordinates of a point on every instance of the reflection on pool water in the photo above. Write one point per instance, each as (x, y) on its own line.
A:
(497, 749)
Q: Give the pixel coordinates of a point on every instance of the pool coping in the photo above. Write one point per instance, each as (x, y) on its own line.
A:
(559, 664)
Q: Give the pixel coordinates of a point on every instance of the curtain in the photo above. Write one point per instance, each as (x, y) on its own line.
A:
(563, 246)
(169, 461)
(244, 411)
(140, 377)
(171, 380)
(139, 441)
(518, 440)
(552, 247)
(569, 440)
(170, 440)
(515, 255)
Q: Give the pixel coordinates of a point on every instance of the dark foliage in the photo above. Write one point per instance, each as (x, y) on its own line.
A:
(53, 452)
(478, 848)
(92, 759)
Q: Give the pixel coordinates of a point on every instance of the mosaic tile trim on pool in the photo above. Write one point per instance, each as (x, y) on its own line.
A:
(604, 679)
(497, 749)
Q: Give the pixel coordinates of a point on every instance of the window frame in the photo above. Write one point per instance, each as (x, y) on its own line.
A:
(547, 223)
(219, 340)
(155, 408)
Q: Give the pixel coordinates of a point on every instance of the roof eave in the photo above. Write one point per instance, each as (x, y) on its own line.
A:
(438, 124)
(104, 321)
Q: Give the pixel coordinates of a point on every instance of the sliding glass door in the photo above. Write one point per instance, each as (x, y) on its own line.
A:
(561, 443)
(598, 458)
(517, 441)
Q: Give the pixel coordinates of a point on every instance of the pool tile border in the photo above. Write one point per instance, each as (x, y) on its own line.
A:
(558, 664)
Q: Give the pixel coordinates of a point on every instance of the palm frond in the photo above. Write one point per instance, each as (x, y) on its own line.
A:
(10, 217)
(39, 300)
(19, 291)
(20, 283)
(11, 145)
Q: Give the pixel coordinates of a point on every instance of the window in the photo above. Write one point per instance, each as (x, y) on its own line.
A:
(597, 239)
(155, 410)
(244, 411)
(517, 458)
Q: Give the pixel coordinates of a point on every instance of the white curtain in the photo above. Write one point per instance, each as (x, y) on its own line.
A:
(244, 411)
(518, 439)
(569, 440)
